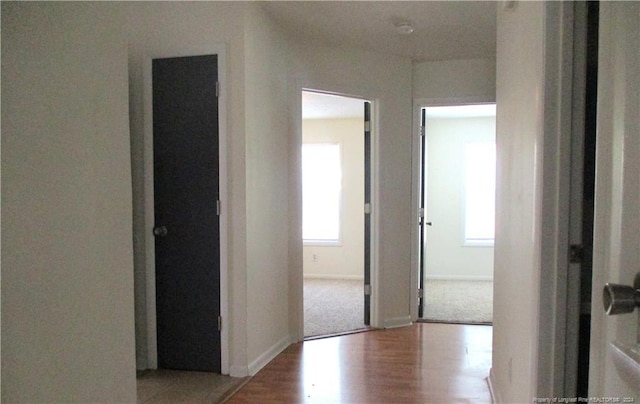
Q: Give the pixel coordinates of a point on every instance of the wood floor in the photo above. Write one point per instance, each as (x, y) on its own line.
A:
(423, 363)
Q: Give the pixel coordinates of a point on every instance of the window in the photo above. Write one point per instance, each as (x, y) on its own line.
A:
(321, 188)
(480, 189)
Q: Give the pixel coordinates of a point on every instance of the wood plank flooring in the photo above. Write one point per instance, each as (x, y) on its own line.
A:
(423, 363)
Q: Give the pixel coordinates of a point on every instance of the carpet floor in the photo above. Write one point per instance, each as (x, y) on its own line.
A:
(332, 306)
(337, 306)
(468, 302)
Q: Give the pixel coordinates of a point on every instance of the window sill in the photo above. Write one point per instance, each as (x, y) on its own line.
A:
(477, 243)
(321, 243)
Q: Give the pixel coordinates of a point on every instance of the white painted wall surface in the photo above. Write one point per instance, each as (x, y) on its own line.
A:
(534, 124)
(531, 171)
(344, 261)
(472, 79)
(519, 142)
(446, 256)
(267, 189)
(67, 268)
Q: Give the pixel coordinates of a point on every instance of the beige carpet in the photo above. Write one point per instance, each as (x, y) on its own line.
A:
(332, 306)
(336, 306)
(458, 301)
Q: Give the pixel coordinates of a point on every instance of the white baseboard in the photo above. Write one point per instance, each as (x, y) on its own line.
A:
(397, 322)
(458, 278)
(495, 397)
(268, 355)
(335, 277)
(238, 371)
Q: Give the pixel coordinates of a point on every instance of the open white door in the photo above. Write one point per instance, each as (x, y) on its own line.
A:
(617, 205)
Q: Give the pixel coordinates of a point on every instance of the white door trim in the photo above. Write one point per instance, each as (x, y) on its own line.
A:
(152, 345)
(296, 256)
(554, 304)
(418, 104)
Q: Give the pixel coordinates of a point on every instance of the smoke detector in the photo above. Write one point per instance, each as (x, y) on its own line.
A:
(404, 27)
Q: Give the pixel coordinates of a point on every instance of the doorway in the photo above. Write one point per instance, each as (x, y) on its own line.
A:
(335, 168)
(186, 198)
(457, 214)
(209, 82)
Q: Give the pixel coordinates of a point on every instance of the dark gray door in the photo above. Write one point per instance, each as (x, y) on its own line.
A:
(185, 153)
(367, 214)
(421, 224)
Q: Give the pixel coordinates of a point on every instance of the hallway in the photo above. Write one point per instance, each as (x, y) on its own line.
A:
(426, 362)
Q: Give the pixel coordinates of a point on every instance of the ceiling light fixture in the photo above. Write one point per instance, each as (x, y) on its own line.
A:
(404, 27)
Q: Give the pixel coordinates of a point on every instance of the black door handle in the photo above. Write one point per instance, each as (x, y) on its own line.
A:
(160, 231)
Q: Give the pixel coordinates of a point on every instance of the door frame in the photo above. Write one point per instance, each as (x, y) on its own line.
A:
(549, 128)
(418, 104)
(149, 210)
(296, 281)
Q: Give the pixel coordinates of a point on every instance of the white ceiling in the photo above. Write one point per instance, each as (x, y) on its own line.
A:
(443, 30)
(325, 106)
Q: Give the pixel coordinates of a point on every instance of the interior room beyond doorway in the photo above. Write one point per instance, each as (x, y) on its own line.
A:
(333, 214)
(458, 205)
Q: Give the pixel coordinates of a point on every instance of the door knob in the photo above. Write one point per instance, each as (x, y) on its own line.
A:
(620, 299)
(160, 231)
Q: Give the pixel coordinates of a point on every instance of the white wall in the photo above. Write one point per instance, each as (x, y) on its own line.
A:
(532, 200)
(519, 140)
(446, 256)
(344, 261)
(387, 82)
(472, 79)
(267, 189)
(67, 268)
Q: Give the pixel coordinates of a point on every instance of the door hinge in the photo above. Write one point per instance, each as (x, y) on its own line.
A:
(367, 126)
(367, 290)
(219, 323)
(218, 207)
(217, 89)
(421, 213)
(423, 131)
(367, 208)
(420, 293)
(576, 253)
